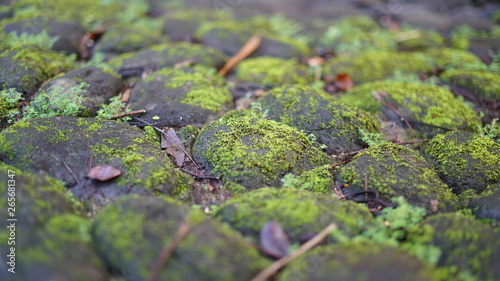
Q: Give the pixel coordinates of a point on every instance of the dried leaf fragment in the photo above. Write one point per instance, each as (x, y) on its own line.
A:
(173, 146)
(273, 240)
(103, 173)
(343, 82)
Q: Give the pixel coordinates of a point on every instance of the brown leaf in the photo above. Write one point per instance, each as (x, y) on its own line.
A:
(273, 240)
(343, 82)
(103, 173)
(172, 144)
(250, 46)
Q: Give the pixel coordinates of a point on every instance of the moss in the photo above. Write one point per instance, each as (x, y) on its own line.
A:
(396, 171)
(483, 83)
(319, 179)
(424, 103)
(298, 212)
(448, 57)
(246, 149)
(377, 65)
(464, 160)
(273, 71)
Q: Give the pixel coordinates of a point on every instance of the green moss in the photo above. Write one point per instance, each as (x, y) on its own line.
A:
(483, 83)
(377, 65)
(411, 39)
(467, 161)
(425, 103)
(318, 180)
(273, 71)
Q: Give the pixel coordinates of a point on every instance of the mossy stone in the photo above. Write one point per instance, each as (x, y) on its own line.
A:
(420, 40)
(449, 57)
(68, 33)
(429, 109)
(230, 35)
(254, 152)
(331, 123)
(26, 68)
(123, 38)
(137, 226)
(102, 86)
(300, 213)
(181, 97)
(61, 249)
(481, 82)
(357, 261)
(377, 65)
(273, 72)
(165, 55)
(395, 171)
(465, 161)
(66, 147)
(468, 247)
(487, 206)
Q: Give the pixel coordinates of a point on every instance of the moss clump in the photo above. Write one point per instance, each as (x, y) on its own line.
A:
(465, 161)
(469, 247)
(273, 71)
(331, 124)
(299, 212)
(358, 261)
(417, 103)
(481, 82)
(254, 152)
(377, 65)
(395, 171)
(448, 57)
(318, 180)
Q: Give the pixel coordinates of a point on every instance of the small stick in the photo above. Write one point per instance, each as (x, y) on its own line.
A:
(277, 265)
(250, 46)
(130, 113)
(199, 176)
(168, 251)
(73, 174)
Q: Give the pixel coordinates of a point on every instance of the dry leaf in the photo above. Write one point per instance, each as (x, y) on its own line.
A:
(172, 144)
(103, 173)
(343, 82)
(273, 240)
(250, 46)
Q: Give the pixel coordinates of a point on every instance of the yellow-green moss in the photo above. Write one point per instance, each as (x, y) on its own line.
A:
(377, 65)
(483, 83)
(273, 71)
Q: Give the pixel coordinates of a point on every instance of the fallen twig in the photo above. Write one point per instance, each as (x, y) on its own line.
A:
(199, 176)
(168, 251)
(277, 265)
(250, 46)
